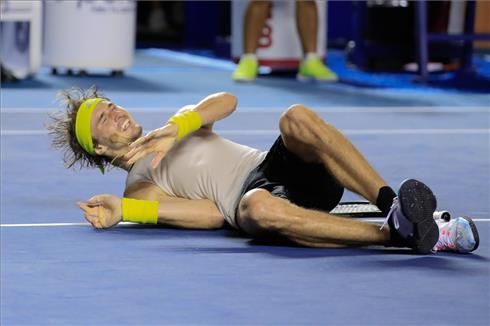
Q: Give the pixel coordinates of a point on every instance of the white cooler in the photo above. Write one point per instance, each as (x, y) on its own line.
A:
(20, 36)
(89, 34)
(279, 46)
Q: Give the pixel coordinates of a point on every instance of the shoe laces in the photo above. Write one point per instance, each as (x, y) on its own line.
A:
(391, 214)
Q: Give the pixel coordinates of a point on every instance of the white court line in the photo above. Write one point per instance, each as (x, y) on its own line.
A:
(326, 109)
(266, 132)
(382, 219)
(20, 225)
(41, 225)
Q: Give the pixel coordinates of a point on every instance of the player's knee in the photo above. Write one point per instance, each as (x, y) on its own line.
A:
(259, 211)
(299, 116)
(297, 113)
(294, 117)
(255, 203)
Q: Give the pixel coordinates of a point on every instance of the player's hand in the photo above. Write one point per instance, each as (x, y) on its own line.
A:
(102, 211)
(159, 141)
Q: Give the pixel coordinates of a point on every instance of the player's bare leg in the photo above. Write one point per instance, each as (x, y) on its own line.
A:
(307, 135)
(262, 215)
(409, 214)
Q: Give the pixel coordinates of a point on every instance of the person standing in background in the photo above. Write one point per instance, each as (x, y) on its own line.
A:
(311, 67)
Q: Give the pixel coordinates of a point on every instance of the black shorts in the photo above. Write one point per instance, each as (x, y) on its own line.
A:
(285, 175)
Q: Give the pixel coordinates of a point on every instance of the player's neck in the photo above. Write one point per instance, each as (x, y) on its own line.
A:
(119, 160)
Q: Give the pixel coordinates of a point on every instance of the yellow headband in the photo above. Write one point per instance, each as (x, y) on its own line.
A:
(83, 122)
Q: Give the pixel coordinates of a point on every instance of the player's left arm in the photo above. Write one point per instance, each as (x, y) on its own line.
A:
(104, 211)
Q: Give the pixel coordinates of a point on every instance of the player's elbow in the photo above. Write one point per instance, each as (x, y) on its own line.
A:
(230, 101)
(215, 222)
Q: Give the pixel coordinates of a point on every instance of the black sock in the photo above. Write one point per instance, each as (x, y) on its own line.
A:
(385, 199)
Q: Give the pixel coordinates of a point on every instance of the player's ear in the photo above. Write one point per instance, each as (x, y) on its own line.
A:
(100, 149)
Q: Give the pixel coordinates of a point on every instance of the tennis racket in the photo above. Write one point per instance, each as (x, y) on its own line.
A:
(366, 209)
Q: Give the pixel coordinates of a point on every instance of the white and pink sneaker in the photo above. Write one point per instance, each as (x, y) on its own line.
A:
(458, 235)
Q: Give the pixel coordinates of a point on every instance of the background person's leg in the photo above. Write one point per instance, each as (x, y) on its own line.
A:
(255, 18)
(261, 215)
(307, 24)
(311, 66)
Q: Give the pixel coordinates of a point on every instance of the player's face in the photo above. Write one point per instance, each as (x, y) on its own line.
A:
(112, 125)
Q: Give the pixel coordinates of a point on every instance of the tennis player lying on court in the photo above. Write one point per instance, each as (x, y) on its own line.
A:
(187, 176)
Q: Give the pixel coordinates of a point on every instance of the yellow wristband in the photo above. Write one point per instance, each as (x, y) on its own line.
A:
(187, 122)
(140, 211)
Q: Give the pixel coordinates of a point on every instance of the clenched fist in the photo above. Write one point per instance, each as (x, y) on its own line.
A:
(102, 211)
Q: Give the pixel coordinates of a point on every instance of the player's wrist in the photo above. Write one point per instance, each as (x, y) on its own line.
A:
(173, 129)
(186, 123)
(139, 211)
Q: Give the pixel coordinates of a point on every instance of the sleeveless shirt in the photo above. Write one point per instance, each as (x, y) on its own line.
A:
(202, 166)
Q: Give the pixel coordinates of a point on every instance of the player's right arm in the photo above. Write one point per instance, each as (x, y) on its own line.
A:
(214, 107)
(104, 211)
(159, 141)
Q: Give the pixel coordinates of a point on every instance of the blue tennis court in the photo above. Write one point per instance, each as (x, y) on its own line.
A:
(56, 269)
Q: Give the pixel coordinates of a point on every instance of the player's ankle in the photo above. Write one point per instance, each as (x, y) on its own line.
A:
(252, 56)
(385, 199)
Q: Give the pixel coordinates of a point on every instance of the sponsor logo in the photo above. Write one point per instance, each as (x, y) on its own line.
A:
(112, 6)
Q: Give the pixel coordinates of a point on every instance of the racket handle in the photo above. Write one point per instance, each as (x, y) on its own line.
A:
(442, 215)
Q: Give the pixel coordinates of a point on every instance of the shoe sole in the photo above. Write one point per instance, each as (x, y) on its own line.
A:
(304, 79)
(418, 204)
(240, 80)
(475, 232)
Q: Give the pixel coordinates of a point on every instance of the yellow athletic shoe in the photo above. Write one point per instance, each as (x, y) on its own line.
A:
(313, 68)
(246, 70)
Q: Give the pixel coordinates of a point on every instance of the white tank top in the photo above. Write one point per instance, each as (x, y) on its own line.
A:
(202, 166)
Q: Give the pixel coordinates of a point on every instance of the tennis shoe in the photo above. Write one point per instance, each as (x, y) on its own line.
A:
(246, 70)
(315, 69)
(411, 219)
(458, 235)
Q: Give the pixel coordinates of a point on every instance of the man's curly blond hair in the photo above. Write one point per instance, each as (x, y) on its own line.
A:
(62, 129)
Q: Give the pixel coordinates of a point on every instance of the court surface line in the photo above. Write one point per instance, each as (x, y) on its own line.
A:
(265, 109)
(265, 132)
(19, 225)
